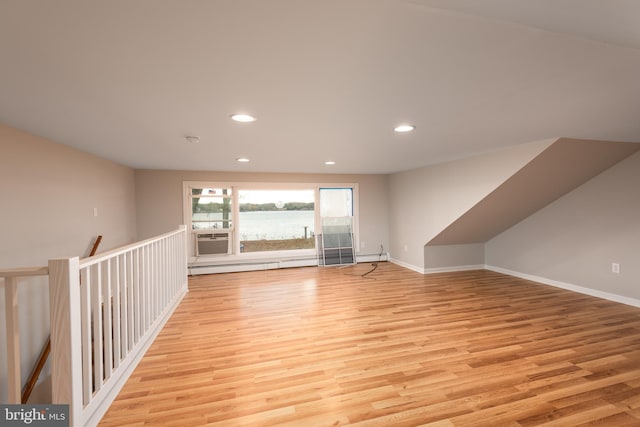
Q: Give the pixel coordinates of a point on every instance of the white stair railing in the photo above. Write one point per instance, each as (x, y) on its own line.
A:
(105, 313)
(11, 277)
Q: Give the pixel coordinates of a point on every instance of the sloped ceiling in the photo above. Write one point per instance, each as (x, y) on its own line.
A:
(563, 166)
(326, 79)
(611, 21)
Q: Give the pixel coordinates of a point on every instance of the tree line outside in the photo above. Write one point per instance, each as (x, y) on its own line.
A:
(253, 207)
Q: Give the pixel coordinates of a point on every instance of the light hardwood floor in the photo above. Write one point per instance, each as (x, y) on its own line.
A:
(326, 347)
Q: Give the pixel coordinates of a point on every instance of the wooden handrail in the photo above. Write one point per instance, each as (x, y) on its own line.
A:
(95, 246)
(35, 374)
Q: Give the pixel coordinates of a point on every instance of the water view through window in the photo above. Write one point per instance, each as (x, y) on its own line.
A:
(273, 220)
(211, 208)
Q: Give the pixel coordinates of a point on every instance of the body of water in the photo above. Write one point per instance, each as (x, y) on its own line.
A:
(267, 225)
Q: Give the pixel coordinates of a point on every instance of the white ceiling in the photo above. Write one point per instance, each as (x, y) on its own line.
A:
(327, 79)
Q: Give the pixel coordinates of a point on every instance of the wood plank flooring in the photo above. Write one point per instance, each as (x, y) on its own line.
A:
(327, 347)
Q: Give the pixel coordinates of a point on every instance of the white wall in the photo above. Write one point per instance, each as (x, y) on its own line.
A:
(48, 193)
(424, 201)
(575, 239)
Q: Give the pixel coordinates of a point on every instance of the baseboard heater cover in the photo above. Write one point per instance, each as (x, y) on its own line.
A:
(254, 265)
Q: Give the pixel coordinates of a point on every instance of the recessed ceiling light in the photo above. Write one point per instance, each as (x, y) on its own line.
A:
(244, 118)
(192, 139)
(329, 162)
(404, 128)
(242, 160)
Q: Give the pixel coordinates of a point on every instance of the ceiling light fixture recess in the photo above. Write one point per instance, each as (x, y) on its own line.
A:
(242, 160)
(404, 128)
(243, 118)
(192, 139)
(329, 162)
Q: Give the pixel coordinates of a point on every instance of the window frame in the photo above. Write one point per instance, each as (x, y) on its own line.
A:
(207, 196)
(236, 187)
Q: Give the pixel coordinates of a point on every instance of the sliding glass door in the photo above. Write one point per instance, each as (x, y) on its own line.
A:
(336, 218)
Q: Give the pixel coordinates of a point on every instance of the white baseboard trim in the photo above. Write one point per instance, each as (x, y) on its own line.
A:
(568, 286)
(407, 265)
(256, 265)
(543, 280)
(214, 269)
(438, 269)
(452, 269)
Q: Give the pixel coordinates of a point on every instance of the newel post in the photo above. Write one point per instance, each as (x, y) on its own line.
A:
(66, 347)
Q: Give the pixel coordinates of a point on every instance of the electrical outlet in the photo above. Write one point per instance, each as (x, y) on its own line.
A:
(615, 268)
(95, 211)
(406, 248)
(362, 245)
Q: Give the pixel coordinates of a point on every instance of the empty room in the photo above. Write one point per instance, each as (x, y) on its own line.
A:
(320, 213)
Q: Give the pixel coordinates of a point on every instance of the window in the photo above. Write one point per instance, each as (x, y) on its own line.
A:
(211, 208)
(275, 220)
(336, 202)
(263, 218)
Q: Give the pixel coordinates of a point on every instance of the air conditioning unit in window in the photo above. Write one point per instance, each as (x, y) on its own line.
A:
(212, 243)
